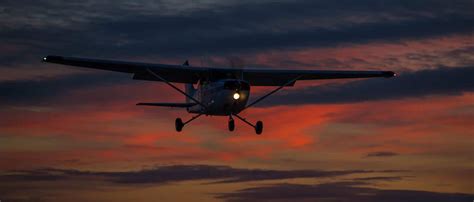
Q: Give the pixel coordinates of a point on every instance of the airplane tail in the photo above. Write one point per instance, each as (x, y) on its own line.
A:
(189, 88)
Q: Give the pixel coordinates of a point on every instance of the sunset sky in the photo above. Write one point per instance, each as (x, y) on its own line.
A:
(75, 134)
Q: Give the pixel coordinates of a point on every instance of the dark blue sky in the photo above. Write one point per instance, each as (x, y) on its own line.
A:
(71, 134)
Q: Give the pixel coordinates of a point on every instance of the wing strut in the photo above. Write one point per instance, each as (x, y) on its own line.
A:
(274, 91)
(259, 125)
(176, 88)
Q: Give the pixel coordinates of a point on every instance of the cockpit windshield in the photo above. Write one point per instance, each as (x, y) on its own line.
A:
(236, 85)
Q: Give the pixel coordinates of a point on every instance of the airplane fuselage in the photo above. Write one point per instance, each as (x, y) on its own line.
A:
(222, 97)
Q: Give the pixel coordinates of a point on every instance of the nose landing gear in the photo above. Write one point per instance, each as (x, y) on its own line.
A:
(231, 124)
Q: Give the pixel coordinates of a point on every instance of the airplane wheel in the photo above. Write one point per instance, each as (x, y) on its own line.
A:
(179, 124)
(231, 125)
(259, 127)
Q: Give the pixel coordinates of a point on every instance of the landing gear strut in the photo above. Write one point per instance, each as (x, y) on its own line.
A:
(179, 123)
(258, 126)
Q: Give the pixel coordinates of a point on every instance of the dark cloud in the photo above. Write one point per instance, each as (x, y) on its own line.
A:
(165, 174)
(380, 178)
(382, 154)
(340, 191)
(118, 29)
(39, 92)
(35, 175)
(204, 36)
(441, 81)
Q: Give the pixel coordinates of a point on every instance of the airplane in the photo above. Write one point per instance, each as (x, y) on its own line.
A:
(220, 91)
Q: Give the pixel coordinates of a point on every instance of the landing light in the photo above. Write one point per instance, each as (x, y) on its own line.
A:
(236, 96)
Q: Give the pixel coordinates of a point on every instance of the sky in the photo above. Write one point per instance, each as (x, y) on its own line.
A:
(75, 134)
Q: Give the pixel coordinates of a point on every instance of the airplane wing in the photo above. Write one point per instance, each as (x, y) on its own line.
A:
(190, 74)
(273, 77)
(182, 105)
(172, 73)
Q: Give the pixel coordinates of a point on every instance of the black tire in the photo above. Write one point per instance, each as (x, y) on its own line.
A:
(259, 127)
(179, 125)
(231, 125)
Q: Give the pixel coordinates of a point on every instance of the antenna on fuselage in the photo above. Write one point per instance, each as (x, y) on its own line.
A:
(189, 87)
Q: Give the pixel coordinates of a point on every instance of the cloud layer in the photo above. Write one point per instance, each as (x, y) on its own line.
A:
(354, 189)
(219, 28)
(323, 140)
(177, 173)
(340, 191)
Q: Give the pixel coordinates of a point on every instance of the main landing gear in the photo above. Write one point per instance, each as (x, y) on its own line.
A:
(179, 124)
(258, 126)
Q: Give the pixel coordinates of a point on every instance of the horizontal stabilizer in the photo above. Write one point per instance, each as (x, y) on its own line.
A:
(183, 105)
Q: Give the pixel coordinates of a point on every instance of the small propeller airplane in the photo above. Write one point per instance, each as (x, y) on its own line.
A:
(220, 91)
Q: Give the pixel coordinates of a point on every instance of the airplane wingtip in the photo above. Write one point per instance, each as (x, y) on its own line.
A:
(50, 58)
(389, 74)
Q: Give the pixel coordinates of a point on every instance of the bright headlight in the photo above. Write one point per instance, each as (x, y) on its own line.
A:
(236, 96)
